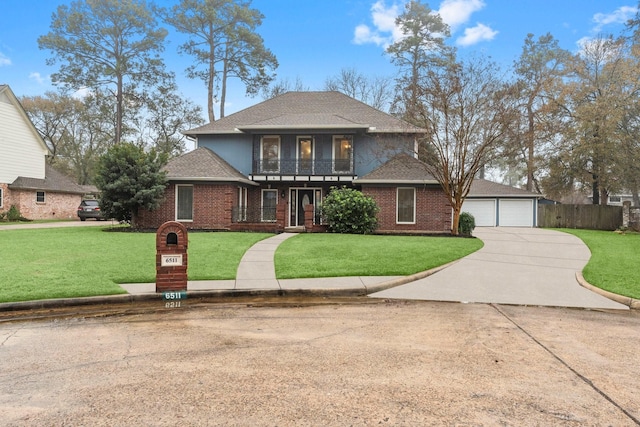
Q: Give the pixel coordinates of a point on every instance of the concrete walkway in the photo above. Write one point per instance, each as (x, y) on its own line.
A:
(521, 266)
(256, 273)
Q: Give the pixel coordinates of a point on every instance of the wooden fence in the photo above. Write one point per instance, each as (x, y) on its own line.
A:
(593, 217)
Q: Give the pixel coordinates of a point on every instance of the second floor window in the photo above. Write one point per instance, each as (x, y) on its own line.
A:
(270, 153)
(342, 153)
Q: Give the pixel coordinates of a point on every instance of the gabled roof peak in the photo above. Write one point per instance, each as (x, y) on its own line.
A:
(308, 110)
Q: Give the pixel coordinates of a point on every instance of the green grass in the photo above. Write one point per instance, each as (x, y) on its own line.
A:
(615, 261)
(86, 261)
(334, 255)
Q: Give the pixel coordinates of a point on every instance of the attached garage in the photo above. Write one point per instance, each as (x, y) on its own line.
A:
(516, 213)
(483, 211)
(493, 204)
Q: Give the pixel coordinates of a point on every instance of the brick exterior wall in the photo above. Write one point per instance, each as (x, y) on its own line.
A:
(433, 211)
(212, 208)
(55, 206)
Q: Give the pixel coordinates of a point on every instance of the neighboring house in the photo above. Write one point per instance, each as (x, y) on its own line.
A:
(26, 180)
(493, 204)
(269, 167)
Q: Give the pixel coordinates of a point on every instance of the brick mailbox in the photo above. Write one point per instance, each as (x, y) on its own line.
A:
(171, 257)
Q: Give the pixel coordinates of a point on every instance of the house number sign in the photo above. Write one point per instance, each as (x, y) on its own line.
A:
(171, 260)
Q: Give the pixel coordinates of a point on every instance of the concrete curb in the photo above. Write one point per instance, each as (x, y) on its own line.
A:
(407, 279)
(628, 301)
(220, 293)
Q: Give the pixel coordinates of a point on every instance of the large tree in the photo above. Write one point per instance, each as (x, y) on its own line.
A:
(224, 43)
(76, 130)
(420, 47)
(374, 91)
(603, 84)
(540, 70)
(107, 45)
(465, 107)
(129, 179)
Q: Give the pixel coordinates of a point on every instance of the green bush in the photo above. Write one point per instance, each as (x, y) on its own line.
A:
(349, 211)
(13, 214)
(466, 224)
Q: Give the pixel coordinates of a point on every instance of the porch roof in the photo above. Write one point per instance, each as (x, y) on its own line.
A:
(400, 169)
(308, 110)
(202, 164)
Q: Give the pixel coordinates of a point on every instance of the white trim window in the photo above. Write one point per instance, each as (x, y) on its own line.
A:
(184, 203)
(405, 205)
(270, 153)
(269, 203)
(342, 153)
(242, 204)
(40, 197)
(1, 198)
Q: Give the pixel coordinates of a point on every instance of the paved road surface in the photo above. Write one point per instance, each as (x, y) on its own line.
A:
(363, 364)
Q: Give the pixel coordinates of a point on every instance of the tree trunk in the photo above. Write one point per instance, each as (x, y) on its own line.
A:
(211, 78)
(530, 151)
(119, 112)
(634, 193)
(456, 220)
(223, 90)
(595, 190)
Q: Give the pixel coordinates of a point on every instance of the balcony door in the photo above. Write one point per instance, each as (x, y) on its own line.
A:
(305, 155)
(342, 154)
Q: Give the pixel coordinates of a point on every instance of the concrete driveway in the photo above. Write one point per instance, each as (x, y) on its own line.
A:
(523, 266)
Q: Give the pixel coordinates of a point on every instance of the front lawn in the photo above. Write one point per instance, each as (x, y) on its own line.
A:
(335, 255)
(87, 261)
(615, 261)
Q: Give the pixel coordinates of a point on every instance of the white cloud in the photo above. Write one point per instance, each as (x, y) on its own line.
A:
(458, 12)
(385, 31)
(4, 61)
(455, 13)
(476, 34)
(38, 78)
(618, 16)
(81, 93)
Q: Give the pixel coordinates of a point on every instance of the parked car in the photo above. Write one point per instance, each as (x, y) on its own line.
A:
(90, 209)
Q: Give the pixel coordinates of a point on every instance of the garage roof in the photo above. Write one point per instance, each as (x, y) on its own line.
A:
(485, 188)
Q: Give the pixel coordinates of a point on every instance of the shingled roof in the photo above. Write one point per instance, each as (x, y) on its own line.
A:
(308, 110)
(54, 181)
(401, 169)
(484, 188)
(202, 164)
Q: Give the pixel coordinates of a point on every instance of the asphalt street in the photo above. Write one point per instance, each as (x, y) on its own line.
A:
(362, 363)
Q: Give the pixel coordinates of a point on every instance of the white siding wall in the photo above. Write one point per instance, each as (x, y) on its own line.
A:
(21, 154)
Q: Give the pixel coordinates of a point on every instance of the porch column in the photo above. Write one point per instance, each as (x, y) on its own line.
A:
(308, 218)
(281, 216)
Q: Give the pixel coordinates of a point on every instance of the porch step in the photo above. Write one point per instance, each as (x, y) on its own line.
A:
(298, 229)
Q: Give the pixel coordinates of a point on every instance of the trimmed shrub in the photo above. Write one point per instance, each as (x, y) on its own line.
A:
(13, 214)
(466, 224)
(349, 211)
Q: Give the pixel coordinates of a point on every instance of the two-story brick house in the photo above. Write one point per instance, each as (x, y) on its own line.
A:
(27, 181)
(268, 167)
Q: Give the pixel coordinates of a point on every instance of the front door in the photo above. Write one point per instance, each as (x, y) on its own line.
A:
(300, 198)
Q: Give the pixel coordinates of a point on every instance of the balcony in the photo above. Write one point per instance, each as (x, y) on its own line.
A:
(303, 167)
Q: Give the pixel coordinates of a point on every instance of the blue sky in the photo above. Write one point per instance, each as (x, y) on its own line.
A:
(315, 39)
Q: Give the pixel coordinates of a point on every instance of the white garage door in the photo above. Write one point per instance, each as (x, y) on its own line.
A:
(484, 211)
(516, 213)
